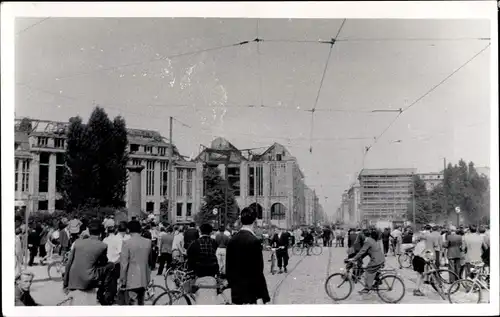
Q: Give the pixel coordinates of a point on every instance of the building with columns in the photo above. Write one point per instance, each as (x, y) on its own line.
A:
(271, 182)
(39, 163)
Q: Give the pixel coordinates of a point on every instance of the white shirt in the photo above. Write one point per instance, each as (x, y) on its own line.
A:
(227, 233)
(114, 242)
(178, 243)
(247, 229)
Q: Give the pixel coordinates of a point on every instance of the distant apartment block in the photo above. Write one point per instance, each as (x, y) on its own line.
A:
(431, 180)
(385, 193)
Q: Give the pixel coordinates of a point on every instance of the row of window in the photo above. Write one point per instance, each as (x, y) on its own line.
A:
(150, 206)
(150, 179)
(43, 205)
(43, 175)
(148, 149)
(59, 143)
(22, 175)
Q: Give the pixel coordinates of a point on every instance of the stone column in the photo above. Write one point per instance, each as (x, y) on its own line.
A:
(266, 178)
(33, 182)
(157, 186)
(198, 191)
(244, 183)
(135, 191)
(51, 194)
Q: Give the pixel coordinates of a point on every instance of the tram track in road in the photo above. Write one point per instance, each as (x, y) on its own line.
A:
(277, 287)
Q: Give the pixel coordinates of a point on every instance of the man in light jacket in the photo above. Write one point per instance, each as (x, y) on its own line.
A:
(136, 260)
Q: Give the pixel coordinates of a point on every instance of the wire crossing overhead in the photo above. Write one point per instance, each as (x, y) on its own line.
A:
(331, 42)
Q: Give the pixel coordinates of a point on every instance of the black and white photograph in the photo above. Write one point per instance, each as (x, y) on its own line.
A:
(165, 159)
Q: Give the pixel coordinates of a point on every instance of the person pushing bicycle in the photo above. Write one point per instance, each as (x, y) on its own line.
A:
(371, 247)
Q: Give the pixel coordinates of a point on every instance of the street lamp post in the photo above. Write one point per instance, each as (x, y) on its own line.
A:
(457, 211)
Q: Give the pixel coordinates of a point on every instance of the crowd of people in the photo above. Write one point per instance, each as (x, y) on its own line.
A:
(112, 264)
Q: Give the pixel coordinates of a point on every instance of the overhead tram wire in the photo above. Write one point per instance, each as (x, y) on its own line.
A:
(258, 40)
(32, 26)
(322, 80)
(154, 60)
(368, 148)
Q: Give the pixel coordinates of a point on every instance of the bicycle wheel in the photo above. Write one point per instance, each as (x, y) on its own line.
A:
(390, 283)
(297, 250)
(55, 270)
(333, 286)
(170, 279)
(163, 299)
(467, 292)
(180, 298)
(153, 291)
(317, 250)
(405, 260)
(446, 276)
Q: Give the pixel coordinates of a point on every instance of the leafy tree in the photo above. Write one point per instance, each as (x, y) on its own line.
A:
(462, 187)
(96, 158)
(25, 125)
(214, 198)
(423, 211)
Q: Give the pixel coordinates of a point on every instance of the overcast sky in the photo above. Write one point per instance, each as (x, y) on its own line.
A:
(66, 65)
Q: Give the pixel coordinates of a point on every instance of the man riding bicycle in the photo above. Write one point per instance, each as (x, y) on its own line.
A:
(371, 247)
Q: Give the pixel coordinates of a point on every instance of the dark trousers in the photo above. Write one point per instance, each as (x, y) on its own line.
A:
(33, 252)
(135, 297)
(164, 257)
(105, 278)
(111, 289)
(438, 258)
(454, 265)
(342, 242)
(282, 256)
(385, 243)
(41, 251)
(326, 240)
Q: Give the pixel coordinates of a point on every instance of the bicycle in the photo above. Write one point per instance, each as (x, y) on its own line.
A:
(59, 266)
(152, 291)
(436, 277)
(405, 259)
(352, 274)
(185, 294)
(477, 281)
(300, 247)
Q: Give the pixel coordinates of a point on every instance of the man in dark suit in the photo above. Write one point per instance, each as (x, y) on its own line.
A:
(281, 240)
(190, 235)
(87, 265)
(454, 244)
(245, 264)
(136, 260)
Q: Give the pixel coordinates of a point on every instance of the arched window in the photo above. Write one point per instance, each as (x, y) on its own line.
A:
(278, 212)
(257, 208)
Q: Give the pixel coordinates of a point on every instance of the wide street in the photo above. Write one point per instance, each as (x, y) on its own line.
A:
(304, 283)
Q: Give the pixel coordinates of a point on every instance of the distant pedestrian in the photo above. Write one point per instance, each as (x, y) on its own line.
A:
(222, 241)
(190, 235)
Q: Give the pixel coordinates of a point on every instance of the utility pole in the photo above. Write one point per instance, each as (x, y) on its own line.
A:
(445, 197)
(225, 193)
(170, 213)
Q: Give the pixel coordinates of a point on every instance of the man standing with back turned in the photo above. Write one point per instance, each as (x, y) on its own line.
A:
(136, 260)
(245, 264)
